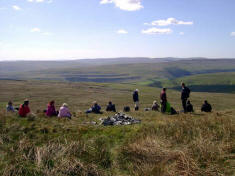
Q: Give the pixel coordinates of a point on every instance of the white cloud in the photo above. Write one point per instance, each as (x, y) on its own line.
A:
(181, 33)
(35, 30)
(15, 7)
(38, 30)
(106, 1)
(232, 34)
(169, 21)
(47, 33)
(39, 1)
(157, 31)
(122, 31)
(129, 5)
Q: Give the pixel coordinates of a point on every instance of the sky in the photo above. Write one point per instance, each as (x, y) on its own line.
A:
(81, 29)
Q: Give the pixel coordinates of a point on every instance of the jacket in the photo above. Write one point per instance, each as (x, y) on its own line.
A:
(135, 96)
(185, 93)
(51, 111)
(24, 110)
(163, 96)
(64, 112)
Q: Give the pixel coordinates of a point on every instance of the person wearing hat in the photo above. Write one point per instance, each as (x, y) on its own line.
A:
(136, 99)
(24, 109)
(64, 111)
(155, 106)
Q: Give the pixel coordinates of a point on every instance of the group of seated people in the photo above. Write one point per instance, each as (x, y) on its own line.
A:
(24, 109)
(206, 107)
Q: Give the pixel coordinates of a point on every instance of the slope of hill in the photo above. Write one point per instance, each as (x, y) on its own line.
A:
(185, 144)
(213, 82)
(143, 71)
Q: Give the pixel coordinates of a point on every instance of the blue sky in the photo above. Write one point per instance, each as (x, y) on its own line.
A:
(77, 29)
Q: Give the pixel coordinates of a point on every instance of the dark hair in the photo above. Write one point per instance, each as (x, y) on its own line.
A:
(164, 89)
(110, 102)
(26, 102)
(51, 102)
(10, 103)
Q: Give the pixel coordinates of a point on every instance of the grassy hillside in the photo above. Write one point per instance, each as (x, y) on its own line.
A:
(205, 75)
(80, 95)
(185, 144)
(123, 71)
(213, 82)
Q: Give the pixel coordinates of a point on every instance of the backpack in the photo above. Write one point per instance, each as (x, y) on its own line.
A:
(126, 109)
(173, 111)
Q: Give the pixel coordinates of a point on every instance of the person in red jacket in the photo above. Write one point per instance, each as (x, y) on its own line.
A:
(24, 109)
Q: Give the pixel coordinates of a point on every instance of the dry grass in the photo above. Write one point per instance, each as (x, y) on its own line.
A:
(195, 144)
(182, 146)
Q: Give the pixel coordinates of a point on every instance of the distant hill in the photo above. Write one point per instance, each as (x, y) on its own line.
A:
(19, 66)
(147, 71)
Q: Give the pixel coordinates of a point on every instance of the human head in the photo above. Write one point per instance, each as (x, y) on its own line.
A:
(94, 102)
(137, 90)
(164, 89)
(188, 102)
(26, 102)
(51, 103)
(10, 103)
(65, 105)
(206, 102)
(183, 84)
(110, 102)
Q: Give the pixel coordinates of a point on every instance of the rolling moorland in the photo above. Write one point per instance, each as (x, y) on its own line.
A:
(194, 144)
(199, 73)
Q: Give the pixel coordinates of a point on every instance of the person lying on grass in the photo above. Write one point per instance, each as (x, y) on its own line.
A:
(64, 111)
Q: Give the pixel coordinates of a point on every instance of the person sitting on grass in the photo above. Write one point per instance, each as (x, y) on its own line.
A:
(24, 109)
(51, 111)
(206, 107)
(155, 106)
(95, 108)
(10, 107)
(189, 107)
(64, 111)
(111, 107)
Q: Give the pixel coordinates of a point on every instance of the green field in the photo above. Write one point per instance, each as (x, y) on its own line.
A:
(204, 75)
(185, 144)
